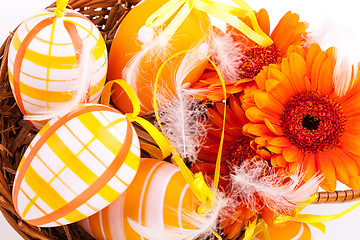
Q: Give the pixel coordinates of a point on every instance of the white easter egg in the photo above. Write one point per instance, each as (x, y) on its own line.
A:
(75, 166)
(51, 60)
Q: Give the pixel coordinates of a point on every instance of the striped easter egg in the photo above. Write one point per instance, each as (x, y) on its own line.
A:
(158, 198)
(290, 230)
(53, 59)
(76, 165)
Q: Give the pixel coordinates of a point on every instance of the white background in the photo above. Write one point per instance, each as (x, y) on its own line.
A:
(345, 16)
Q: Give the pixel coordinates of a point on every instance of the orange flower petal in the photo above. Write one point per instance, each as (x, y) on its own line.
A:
(326, 167)
(255, 115)
(354, 183)
(268, 103)
(278, 91)
(325, 81)
(311, 54)
(257, 129)
(295, 166)
(231, 118)
(279, 141)
(263, 20)
(315, 69)
(238, 111)
(268, 215)
(216, 118)
(340, 168)
(298, 72)
(291, 154)
(309, 167)
(285, 69)
(349, 161)
(280, 161)
(351, 143)
(276, 129)
(276, 150)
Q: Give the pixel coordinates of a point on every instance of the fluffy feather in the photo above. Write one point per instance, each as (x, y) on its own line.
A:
(328, 34)
(79, 88)
(227, 54)
(155, 46)
(181, 116)
(248, 182)
(204, 223)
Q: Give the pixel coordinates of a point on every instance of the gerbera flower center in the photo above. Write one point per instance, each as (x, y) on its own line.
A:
(240, 150)
(255, 58)
(313, 122)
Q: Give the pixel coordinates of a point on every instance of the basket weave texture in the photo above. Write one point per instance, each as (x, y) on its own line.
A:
(16, 133)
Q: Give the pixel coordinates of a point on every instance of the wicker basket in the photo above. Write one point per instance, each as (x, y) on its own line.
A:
(16, 133)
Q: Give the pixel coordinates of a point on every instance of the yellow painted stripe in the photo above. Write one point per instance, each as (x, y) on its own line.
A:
(43, 95)
(101, 132)
(52, 96)
(57, 62)
(75, 165)
(75, 216)
(43, 190)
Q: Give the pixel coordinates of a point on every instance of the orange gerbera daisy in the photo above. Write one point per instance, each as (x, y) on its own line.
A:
(237, 148)
(289, 31)
(296, 114)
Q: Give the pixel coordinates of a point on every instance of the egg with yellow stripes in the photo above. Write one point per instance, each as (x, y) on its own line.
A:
(158, 199)
(75, 166)
(55, 63)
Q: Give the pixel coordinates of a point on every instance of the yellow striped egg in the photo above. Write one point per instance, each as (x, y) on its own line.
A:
(51, 59)
(76, 165)
(159, 198)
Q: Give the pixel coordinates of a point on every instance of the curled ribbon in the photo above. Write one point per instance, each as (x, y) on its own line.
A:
(226, 13)
(60, 8)
(196, 182)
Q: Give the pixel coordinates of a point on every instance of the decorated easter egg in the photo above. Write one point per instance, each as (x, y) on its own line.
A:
(157, 199)
(76, 165)
(55, 63)
(135, 42)
(289, 230)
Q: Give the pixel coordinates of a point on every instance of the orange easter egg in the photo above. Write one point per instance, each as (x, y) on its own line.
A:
(75, 166)
(133, 36)
(158, 198)
(55, 63)
(290, 230)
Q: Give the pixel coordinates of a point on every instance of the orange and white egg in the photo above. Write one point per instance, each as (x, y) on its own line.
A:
(51, 58)
(159, 198)
(133, 36)
(75, 166)
(290, 230)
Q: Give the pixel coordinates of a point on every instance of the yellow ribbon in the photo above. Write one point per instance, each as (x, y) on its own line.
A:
(60, 8)
(226, 13)
(133, 117)
(196, 182)
(316, 220)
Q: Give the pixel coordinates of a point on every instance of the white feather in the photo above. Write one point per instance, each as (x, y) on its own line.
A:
(205, 224)
(155, 47)
(227, 55)
(79, 88)
(181, 116)
(248, 182)
(328, 33)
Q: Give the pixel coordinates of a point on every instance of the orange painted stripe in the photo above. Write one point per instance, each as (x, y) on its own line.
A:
(95, 226)
(45, 134)
(106, 223)
(20, 56)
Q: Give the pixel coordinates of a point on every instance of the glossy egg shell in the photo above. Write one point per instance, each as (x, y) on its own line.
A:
(290, 230)
(47, 58)
(75, 166)
(158, 198)
(126, 44)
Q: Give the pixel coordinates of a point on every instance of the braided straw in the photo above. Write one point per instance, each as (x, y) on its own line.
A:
(16, 133)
